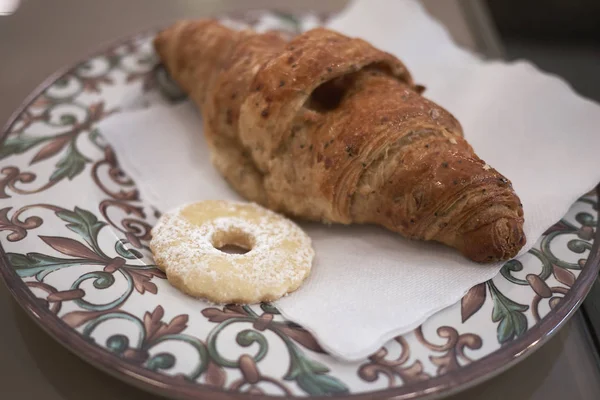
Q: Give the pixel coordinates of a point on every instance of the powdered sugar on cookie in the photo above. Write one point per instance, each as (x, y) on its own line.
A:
(279, 257)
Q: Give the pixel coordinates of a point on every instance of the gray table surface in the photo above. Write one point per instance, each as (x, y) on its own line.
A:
(46, 34)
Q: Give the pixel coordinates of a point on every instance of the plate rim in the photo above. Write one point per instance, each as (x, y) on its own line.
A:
(450, 383)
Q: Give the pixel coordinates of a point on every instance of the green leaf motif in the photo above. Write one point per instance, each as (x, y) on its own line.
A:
(269, 308)
(62, 82)
(40, 265)
(68, 119)
(85, 224)
(288, 19)
(71, 165)
(97, 139)
(311, 376)
(161, 361)
(513, 323)
(130, 254)
(19, 144)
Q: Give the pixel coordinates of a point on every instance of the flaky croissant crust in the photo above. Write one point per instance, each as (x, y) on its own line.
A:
(328, 128)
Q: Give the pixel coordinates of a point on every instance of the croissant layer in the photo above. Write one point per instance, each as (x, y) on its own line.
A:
(328, 128)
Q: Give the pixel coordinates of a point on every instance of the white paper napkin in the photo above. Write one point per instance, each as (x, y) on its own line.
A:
(369, 285)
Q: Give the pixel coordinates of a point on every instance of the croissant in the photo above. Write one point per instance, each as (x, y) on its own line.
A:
(328, 128)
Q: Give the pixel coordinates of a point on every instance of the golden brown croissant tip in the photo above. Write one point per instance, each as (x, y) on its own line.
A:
(497, 241)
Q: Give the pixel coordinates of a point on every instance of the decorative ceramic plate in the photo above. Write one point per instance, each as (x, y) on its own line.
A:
(75, 256)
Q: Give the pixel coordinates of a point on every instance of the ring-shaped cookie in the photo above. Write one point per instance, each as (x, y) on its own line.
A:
(186, 242)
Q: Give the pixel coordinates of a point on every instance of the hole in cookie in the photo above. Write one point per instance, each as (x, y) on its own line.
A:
(233, 249)
(233, 241)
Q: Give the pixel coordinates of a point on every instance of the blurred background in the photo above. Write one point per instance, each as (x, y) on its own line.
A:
(560, 36)
(37, 37)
